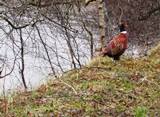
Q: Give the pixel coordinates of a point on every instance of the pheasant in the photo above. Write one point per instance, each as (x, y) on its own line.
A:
(118, 44)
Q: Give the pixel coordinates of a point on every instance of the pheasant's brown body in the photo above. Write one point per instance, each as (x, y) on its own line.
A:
(117, 46)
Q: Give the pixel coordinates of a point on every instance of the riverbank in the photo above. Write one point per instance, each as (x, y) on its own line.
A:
(129, 87)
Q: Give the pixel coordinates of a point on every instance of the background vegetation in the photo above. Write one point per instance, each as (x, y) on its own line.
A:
(62, 35)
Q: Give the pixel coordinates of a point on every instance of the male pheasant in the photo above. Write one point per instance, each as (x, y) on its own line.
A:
(117, 46)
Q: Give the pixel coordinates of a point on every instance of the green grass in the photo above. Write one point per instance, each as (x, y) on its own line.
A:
(141, 112)
(129, 88)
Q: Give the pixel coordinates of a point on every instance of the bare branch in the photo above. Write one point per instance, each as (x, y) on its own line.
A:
(149, 13)
(87, 2)
(12, 25)
(48, 3)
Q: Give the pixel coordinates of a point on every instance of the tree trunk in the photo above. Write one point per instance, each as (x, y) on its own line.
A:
(102, 23)
(91, 41)
(22, 61)
(46, 50)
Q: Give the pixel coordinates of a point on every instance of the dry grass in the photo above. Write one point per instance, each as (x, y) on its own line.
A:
(130, 87)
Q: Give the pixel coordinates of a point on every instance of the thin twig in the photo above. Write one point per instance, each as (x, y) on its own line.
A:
(74, 90)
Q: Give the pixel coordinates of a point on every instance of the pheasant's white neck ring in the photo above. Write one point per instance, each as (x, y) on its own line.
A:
(124, 32)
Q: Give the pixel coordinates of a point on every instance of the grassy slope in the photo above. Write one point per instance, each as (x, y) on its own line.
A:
(102, 88)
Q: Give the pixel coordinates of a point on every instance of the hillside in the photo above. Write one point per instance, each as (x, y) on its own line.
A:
(130, 87)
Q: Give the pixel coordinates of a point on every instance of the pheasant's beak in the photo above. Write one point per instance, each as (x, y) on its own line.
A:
(126, 25)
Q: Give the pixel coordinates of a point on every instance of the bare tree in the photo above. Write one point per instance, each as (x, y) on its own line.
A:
(22, 67)
(46, 50)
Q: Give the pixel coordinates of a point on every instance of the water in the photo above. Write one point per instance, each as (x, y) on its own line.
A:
(37, 66)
